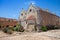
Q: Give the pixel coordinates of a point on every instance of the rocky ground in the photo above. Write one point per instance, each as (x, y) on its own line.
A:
(49, 35)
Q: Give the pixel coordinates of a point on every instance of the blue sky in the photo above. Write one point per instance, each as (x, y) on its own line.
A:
(12, 8)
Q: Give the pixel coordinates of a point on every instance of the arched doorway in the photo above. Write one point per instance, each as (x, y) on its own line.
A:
(31, 22)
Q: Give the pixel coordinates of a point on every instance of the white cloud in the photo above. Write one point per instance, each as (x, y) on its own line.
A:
(32, 2)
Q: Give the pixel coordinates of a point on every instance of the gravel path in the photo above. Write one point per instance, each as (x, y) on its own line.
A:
(49, 35)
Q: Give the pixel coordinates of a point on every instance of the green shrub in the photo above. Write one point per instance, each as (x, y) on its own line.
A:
(43, 28)
(56, 27)
(19, 28)
(16, 29)
(50, 27)
(7, 30)
(11, 28)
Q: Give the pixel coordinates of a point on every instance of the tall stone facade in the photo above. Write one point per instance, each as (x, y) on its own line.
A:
(35, 17)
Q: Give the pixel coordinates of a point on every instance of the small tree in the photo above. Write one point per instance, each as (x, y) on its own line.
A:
(43, 28)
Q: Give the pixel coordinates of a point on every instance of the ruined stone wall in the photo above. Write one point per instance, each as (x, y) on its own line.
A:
(48, 18)
(31, 11)
(22, 18)
(7, 22)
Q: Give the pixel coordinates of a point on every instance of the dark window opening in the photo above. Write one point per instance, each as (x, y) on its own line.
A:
(26, 22)
(21, 14)
(7, 26)
(30, 10)
(0, 26)
(15, 26)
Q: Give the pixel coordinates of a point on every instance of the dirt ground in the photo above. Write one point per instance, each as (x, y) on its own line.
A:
(49, 35)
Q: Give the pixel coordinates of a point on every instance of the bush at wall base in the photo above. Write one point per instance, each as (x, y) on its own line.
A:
(43, 28)
(6, 30)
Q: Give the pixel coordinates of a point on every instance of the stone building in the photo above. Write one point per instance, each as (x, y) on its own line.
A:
(4, 22)
(36, 17)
